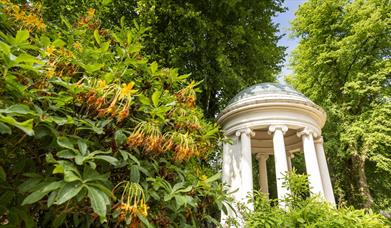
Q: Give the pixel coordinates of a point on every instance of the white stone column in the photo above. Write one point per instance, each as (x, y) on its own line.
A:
(324, 171)
(263, 180)
(280, 160)
(227, 159)
(311, 162)
(246, 188)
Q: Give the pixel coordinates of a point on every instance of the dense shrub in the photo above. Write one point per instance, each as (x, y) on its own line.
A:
(305, 211)
(93, 133)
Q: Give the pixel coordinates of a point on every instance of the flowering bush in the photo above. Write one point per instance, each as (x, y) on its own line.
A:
(93, 133)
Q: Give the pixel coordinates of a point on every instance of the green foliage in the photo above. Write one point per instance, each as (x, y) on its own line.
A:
(229, 45)
(342, 63)
(95, 134)
(307, 211)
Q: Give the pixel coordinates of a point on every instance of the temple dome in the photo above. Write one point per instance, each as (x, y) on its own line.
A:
(282, 100)
(264, 89)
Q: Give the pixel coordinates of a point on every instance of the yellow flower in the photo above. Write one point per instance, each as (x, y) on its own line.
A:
(40, 25)
(127, 89)
(31, 19)
(50, 73)
(50, 50)
(203, 177)
(91, 12)
(101, 84)
(19, 15)
(77, 45)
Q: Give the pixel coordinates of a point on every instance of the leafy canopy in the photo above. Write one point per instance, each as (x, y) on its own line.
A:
(229, 45)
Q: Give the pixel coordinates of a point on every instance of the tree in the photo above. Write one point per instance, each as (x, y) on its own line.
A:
(343, 63)
(228, 45)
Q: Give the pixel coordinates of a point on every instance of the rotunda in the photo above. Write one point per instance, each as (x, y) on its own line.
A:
(271, 119)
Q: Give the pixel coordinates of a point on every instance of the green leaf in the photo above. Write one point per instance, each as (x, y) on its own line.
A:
(21, 36)
(145, 221)
(67, 154)
(144, 100)
(90, 68)
(26, 126)
(106, 2)
(66, 143)
(58, 43)
(4, 129)
(108, 77)
(17, 109)
(79, 159)
(82, 147)
(51, 198)
(67, 192)
(26, 58)
(98, 201)
(71, 176)
(213, 178)
(155, 98)
(301, 220)
(58, 169)
(97, 36)
(45, 41)
(134, 174)
(119, 137)
(109, 159)
(154, 67)
(53, 186)
(34, 197)
(5, 48)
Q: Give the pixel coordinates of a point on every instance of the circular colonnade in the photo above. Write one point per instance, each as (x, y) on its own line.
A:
(271, 119)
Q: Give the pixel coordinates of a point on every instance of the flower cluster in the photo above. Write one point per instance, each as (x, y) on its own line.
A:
(88, 20)
(27, 17)
(131, 205)
(110, 100)
(147, 135)
(187, 95)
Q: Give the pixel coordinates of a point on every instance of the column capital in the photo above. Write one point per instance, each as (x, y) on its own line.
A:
(273, 128)
(246, 131)
(261, 156)
(319, 140)
(307, 131)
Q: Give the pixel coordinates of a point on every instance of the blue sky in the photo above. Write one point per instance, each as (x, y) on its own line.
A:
(284, 20)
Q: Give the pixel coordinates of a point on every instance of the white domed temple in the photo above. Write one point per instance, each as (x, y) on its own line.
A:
(271, 119)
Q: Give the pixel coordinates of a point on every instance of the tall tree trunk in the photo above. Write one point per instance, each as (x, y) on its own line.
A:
(359, 164)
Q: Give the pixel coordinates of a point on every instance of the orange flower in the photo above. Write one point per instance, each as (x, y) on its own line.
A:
(99, 102)
(136, 139)
(122, 115)
(19, 15)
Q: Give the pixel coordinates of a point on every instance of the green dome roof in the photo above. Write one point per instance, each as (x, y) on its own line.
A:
(263, 89)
